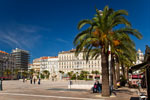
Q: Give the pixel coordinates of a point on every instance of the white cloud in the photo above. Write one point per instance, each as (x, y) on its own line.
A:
(62, 40)
(20, 36)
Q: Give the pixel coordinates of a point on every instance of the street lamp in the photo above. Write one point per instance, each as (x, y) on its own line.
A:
(2, 60)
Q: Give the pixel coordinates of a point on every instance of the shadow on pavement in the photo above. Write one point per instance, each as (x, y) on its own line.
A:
(134, 98)
(123, 91)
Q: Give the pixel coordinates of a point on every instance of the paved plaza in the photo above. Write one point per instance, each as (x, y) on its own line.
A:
(48, 90)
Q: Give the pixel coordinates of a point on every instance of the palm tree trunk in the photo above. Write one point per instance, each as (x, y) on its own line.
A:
(127, 70)
(117, 71)
(113, 72)
(123, 70)
(105, 74)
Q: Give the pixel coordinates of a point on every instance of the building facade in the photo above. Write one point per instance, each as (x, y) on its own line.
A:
(7, 64)
(69, 62)
(22, 58)
(36, 64)
(140, 57)
(46, 63)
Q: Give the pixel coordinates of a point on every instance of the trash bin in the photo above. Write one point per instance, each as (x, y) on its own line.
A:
(0, 85)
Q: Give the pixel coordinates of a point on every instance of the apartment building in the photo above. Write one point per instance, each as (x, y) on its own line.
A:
(7, 62)
(67, 62)
(46, 63)
(22, 58)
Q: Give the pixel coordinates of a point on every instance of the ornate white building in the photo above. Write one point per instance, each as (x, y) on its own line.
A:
(69, 62)
(46, 63)
(139, 59)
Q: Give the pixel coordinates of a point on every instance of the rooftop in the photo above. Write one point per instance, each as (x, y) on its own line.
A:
(3, 52)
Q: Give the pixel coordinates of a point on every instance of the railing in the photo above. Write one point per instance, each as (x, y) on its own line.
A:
(83, 82)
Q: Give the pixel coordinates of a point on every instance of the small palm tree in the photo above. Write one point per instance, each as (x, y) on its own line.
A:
(15, 72)
(7, 72)
(96, 72)
(31, 72)
(25, 74)
(70, 74)
(62, 73)
(46, 73)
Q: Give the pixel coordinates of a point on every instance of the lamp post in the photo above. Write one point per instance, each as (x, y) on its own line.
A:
(2, 60)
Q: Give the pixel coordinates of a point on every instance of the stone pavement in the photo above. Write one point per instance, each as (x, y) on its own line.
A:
(17, 90)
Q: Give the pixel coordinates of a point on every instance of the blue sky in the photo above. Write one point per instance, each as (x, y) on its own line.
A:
(47, 27)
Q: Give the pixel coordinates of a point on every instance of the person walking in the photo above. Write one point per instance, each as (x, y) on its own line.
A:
(39, 81)
(34, 80)
(30, 79)
(23, 79)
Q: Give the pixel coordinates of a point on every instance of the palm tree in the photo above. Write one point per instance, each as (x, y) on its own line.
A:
(95, 40)
(15, 72)
(84, 74)
(31, 72)
(25, 74)
(7, 72)
(95, 72)
(70, 74)
(46, 73)
(124, 51)
(62, 73)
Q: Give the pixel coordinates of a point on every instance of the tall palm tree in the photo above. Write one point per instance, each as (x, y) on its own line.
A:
(95, 40)
(124, 51)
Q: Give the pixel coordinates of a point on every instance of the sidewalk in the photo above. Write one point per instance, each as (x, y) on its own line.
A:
(124, 93)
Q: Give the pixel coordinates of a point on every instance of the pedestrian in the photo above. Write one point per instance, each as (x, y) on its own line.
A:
(23, 79)
(98, 87)
(95, 87)
(139, 85)
(30, 80)
(39, 81)
(34, 80)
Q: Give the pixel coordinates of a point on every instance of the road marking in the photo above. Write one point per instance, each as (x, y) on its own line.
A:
(47, 96)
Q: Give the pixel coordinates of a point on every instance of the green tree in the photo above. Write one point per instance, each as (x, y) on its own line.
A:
(25, 74)
(15, 72)
(7, 72)
(31, 72)
(95, 72)
(124, 52)
(46, 73)
(70, 74)
(83, 75)
(62, 73)
(96, 39)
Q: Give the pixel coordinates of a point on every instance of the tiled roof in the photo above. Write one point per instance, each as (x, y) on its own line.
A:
(73, 50)
(3, 52)
(53, 57)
